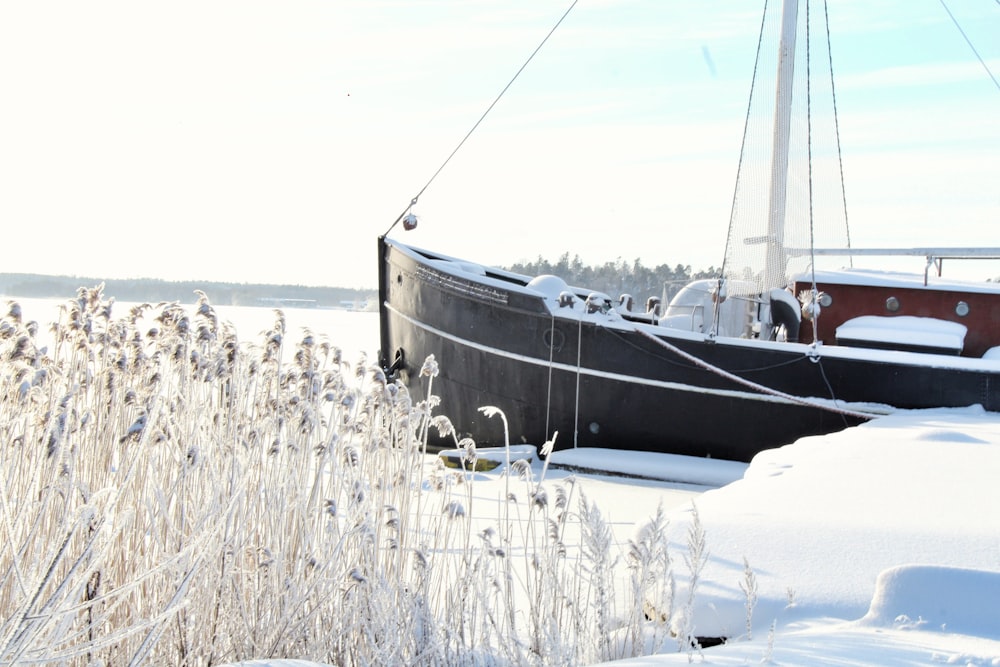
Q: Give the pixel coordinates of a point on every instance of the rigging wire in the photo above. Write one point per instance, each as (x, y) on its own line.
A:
(739, 171)
(743, 145)
(481, 118)
(971, 46)
(836, 127)
(809, 161)
(814, 319)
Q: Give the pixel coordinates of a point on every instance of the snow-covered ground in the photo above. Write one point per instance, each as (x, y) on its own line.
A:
(876, 546)
(879, 545)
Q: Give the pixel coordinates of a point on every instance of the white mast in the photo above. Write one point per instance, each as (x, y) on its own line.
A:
(774, 267)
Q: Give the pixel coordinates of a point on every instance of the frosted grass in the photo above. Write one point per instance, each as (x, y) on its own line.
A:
(172, 495)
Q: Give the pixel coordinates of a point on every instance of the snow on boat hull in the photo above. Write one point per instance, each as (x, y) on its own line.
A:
(602, 381)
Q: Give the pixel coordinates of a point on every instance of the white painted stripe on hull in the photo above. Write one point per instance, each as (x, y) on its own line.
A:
(619, 377)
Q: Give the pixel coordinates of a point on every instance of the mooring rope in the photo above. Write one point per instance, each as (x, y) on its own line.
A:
(576, 409)
(751, 384)
(552, 350)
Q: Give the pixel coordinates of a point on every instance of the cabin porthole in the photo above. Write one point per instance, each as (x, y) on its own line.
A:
(961, 309)
(553, 339)
(892, 304)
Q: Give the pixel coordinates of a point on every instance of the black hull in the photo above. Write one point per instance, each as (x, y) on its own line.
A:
(612, 386)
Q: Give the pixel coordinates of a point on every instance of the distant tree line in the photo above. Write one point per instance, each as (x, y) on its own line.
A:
(621, 277)
(617, 277)
(29, 285)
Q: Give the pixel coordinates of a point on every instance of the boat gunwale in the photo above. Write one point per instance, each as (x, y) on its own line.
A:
(518, 282)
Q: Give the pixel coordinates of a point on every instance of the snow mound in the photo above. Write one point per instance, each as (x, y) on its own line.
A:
(650, 465)
(548, 285)
(936, 597)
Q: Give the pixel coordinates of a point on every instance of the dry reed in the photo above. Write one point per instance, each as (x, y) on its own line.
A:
(177, 496)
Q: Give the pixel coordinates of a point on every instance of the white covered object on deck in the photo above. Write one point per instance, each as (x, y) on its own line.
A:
(903, 332)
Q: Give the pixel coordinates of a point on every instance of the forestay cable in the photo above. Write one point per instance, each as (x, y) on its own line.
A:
(538, 48)
(971, 45)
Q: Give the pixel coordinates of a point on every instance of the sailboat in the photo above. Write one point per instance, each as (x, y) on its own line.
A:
(772, 350)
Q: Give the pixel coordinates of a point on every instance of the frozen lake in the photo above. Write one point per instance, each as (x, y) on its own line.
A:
(354, 332)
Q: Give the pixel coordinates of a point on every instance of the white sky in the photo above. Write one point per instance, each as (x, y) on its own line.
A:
(260, 141)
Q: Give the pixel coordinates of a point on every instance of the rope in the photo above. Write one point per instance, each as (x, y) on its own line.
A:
(809, 160)
(481, 118)
(576, 408)
(743, 145)
(753, 385)
(836, 128)
(971, 46)
(814, 291)
(552, 349)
